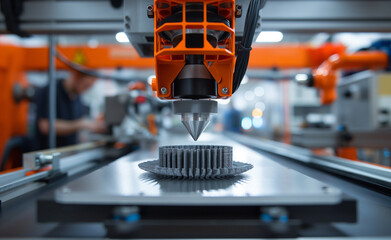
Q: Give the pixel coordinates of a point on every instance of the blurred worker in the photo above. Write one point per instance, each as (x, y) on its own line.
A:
(232, 119)
(70, 111)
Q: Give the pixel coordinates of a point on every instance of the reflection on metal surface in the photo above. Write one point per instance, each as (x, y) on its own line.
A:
(168, 185)
(347, 168)
(122, 182)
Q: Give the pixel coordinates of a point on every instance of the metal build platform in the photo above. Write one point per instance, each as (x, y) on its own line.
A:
(269, 200)
(268, 183)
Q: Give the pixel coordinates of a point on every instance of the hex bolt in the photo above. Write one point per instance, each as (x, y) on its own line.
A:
(43, 160)
(150, 13)
(224, 90)
(163, 90)
(238, 11)
(127, 26)
(127, 18)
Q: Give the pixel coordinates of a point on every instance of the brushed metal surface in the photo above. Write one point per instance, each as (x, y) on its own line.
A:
(268, 183)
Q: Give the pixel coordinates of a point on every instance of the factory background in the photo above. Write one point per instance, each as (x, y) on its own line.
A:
(310, 120)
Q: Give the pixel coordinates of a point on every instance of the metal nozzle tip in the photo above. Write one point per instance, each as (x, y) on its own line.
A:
(195, 123)
(195, 114)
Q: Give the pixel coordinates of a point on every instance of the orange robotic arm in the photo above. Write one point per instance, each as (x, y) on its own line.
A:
(325, 78)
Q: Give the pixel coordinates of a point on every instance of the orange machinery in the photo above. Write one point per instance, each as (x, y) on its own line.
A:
(325, 77)
(13, 117)
(194, 50)
(16, 61)
(206, 47)
(195, 56)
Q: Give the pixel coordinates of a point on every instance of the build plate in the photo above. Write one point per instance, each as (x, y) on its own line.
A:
(268, 183)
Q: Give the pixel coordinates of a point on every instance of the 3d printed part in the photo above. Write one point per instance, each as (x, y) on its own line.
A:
(195, 162)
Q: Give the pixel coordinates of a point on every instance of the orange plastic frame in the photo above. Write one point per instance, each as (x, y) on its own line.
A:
(169, 60)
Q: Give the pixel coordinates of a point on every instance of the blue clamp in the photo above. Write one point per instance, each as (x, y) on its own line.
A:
(267, 218)
(130, 218)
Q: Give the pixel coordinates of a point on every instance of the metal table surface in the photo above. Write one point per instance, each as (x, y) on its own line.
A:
(123, 182)
(18, 217)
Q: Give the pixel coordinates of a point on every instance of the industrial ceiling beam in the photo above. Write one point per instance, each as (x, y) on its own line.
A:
(75, 17)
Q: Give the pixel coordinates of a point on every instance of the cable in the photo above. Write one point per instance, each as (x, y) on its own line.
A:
(12, 9)
(244, 46)
(90, 72)
(17, 142)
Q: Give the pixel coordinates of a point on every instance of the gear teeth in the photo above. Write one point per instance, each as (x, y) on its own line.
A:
(196, 156)
(195, 162)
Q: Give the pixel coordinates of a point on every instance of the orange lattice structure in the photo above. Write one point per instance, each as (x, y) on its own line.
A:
(171, 58)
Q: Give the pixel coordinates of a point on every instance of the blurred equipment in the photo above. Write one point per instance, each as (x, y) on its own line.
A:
(362, 115)
(325, 77)
(131, 115)
(194, 50)
(360, 97)
(17, 93)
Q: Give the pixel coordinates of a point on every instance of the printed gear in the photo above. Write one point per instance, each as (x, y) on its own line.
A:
(195, 162)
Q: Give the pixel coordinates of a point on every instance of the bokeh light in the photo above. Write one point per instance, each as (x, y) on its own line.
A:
(257, 112)
(257, 122)
(246, 123)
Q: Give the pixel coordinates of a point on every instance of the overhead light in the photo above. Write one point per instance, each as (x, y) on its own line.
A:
(270, 36)
(121, 37)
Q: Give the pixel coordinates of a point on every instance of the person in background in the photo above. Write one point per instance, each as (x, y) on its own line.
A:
(70, 111)
(232, 119)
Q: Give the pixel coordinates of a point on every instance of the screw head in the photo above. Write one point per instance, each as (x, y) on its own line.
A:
(150, 13)
(238, 11)
(163, 90)
(224, 90)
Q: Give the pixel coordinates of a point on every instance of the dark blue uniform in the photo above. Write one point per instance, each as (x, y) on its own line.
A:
(67, 109)
(232, 120)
